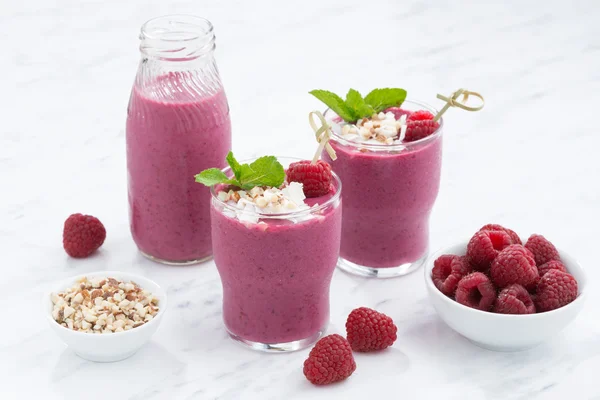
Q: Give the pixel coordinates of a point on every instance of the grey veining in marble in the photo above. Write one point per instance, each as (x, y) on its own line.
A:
(529, 160)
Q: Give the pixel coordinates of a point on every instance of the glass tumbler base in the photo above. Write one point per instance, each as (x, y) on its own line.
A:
(181, 263)
(389, 272)
(278, 347)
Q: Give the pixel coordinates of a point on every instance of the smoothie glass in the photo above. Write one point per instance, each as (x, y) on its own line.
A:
(276, 273)
(177, 124)
(389, 191)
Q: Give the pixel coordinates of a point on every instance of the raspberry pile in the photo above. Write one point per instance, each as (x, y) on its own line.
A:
(331, 359)
(499, 274)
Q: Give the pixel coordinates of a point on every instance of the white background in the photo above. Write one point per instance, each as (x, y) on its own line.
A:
(528, 160)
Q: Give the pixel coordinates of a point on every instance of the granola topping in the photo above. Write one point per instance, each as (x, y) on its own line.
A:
(382, 128)
(103, 305)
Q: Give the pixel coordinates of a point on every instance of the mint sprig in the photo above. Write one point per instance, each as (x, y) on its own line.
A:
(264, 171)
(356, 107)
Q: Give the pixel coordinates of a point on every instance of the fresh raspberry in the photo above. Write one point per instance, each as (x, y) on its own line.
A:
(447, 271)
(484, 246)
(398, 112)
(556, 289)
(554, 264)
(369, 330)
(514, 299)
(476, 291)
(315, 178)
(495, 227)
(543, 251)
(420, 115)
(329, 361)
(419, 129)
(514, 264)
(82, 235)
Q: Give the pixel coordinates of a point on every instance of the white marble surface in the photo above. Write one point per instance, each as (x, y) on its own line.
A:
(529, 160)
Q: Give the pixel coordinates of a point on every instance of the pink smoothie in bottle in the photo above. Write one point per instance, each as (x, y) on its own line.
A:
(276, 273)
(177, 125)
(389, 191)
(171, 137)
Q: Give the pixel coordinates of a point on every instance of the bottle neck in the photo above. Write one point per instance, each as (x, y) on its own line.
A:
(178, 58)
(177, 38)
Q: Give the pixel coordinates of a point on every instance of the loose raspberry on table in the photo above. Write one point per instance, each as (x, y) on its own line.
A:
(514, 299)
(495, 227)
(369, 330)
(82, 235)
(331, 360)
(419, 129)
(484, 246)
(514, 264)
(315, 178)
(420, 115)
(556, 289)
(447, 271)
(543, 251)
(476, 291)
(554, 264)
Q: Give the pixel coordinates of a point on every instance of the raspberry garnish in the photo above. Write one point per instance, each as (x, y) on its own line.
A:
(447, 271)
(514, 299)
(82, 235)
(514, 264)
(369, 330)
(554, 264)
(329, 361)
(419, 129)
(484, 246)
(315, 178)
(476, 291)
(495, 227)
(421, 115)
(543, 251)
(556, 289)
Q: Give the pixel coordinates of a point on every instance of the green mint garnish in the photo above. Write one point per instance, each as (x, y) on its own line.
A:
(356, 107)
(264, 171)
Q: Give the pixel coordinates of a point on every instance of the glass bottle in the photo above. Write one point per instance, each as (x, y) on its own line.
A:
(177, 125)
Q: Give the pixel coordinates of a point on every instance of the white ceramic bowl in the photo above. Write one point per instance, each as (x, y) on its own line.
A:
(503, 332)
(107, 347)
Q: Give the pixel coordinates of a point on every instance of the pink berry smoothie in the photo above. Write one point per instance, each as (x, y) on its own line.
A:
(170, 138)
(276, 276)
(389, 192)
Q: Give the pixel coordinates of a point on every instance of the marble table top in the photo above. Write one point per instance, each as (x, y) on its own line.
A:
(529, 160)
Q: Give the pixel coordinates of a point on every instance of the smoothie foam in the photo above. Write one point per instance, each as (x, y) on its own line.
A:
(171, 135)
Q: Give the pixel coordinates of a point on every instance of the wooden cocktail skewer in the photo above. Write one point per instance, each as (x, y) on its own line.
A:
(452, 102)
(323, 135)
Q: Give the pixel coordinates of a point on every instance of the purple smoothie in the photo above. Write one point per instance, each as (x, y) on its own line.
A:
(388, 196)
(170, 138)
(276, 276)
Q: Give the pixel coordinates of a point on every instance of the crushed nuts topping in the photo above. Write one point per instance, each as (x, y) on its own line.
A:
(382, 128)
(103, 305)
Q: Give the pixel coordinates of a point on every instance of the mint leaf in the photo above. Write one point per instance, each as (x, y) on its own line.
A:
(359, 108)
(265, 171)
(214, 176)
(234, 164)
(336, 103)
(381, 99)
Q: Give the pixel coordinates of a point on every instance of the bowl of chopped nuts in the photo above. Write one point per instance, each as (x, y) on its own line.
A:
(105, 316)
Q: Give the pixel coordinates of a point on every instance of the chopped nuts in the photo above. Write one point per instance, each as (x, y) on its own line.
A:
(103, 306)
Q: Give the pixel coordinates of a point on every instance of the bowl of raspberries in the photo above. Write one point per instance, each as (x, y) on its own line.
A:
(503, 293)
